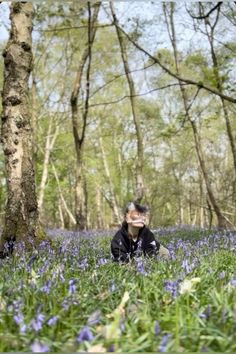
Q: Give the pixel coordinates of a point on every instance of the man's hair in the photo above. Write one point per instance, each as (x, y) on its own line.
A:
(135, 206)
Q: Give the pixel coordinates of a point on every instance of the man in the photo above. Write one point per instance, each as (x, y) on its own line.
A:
(134, 238)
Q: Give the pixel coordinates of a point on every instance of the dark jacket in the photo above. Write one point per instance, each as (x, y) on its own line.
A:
(123, 248)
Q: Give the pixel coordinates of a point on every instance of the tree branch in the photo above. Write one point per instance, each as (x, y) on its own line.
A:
(218, 5)
(199, 84)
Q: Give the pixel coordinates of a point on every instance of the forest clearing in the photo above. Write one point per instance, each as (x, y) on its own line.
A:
(118, 176)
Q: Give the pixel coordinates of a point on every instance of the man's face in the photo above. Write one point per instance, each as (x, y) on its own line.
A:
(135, 218)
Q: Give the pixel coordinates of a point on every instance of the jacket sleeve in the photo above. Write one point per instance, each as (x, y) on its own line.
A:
(118, 250)
(151, 245)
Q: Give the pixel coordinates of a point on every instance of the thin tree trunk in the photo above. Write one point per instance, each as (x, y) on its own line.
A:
(220, 217)
(201, 211)
(112, 199)
(61, 213)
(99, 220)
(78, 124)
(140, 189)
(50, 141)
(62, 197)
(21, 217)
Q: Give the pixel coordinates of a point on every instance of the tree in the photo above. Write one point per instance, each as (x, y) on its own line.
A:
(171, 28)
(139, 192)
(21, 216)
(79, 119)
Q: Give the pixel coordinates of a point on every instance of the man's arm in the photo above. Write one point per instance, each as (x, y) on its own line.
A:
(119, 251)
(150, 246)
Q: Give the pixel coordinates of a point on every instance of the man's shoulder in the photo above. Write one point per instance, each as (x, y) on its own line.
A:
(118, 234)
(147, 231)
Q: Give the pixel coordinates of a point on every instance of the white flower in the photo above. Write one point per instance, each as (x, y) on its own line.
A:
(188, 285)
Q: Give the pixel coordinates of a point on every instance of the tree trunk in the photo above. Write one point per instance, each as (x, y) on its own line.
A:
(219, 86)
(112, 199)
(99, 220)
(222, 223)
(69, 213)
(21, 217)
(78, 124)
(50, 141)
(140, 189)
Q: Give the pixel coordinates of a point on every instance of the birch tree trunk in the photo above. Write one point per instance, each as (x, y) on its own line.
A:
(21, 217)
(140, 189)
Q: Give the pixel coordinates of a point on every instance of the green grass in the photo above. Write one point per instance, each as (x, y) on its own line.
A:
(204, 319)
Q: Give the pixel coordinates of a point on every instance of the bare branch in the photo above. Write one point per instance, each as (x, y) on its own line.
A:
(136, 95)
(199, 84)
(59, 29)
(218, 5)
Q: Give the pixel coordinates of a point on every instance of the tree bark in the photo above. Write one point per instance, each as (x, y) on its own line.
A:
(140, 189)
(79, 120)
(21, 217)
(222, 223)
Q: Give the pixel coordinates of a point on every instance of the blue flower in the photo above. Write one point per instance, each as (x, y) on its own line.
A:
(37, 322)
(171, 286)
(233, 282)
(157, 328)
(38, 347)
(72, 286)
(52, 320)
(163, 343)
(85, 335)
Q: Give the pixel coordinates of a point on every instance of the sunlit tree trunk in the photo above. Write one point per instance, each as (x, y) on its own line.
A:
(79, 119)
(222, 223)
(21, 217)
(112, 197)
(140, 189)
(50, 141)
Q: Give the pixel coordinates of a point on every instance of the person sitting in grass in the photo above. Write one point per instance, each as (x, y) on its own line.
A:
(134, 238)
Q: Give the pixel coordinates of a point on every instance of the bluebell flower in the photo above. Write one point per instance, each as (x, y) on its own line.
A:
(52, 320)
(101, 261)
(46, 287)
(206, 313)
(163, 343)
(38, 347)
(186, 266)
(72, 286)
(85, 335)
(171, 286)
(18, 319)
(157, 328)
(233, 282)
(36, 323)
